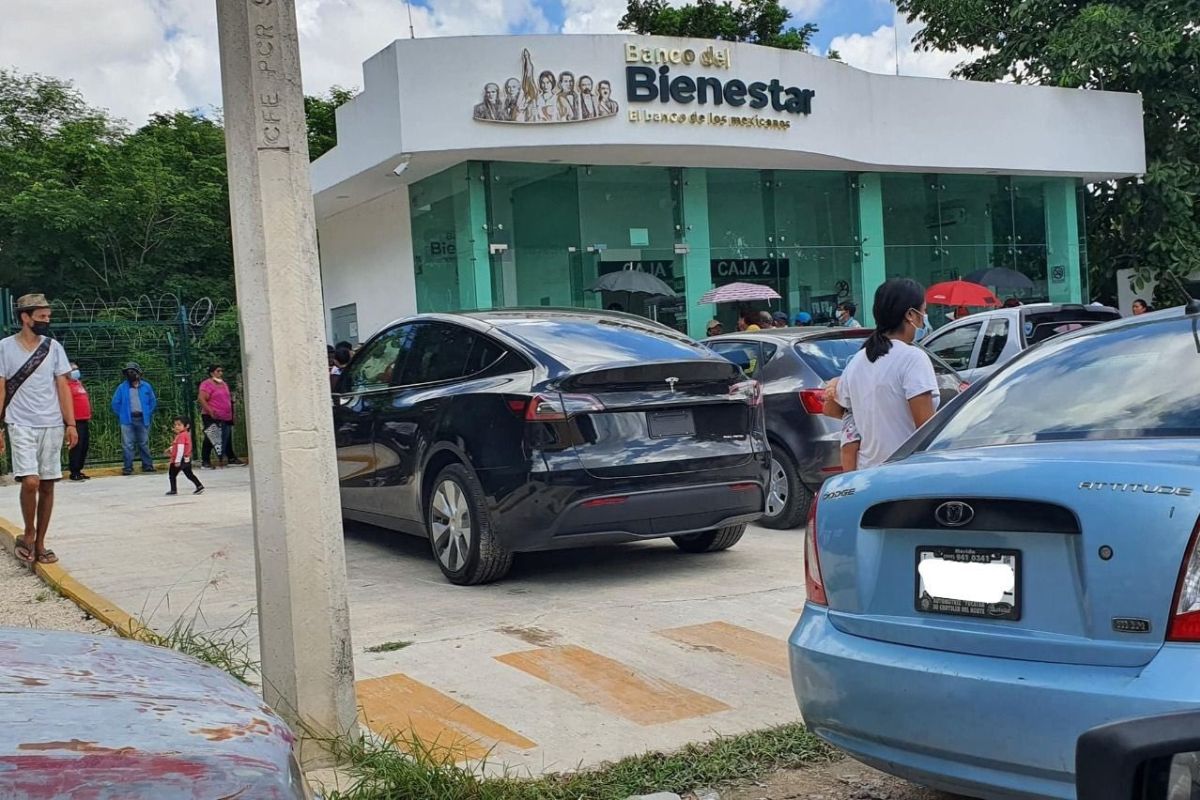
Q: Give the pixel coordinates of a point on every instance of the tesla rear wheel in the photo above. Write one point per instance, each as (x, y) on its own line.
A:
(710, 541)
(787, 499)
(460, 530)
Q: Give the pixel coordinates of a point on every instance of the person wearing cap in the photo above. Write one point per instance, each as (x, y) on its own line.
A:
(780, 319)
(715, 328)
(40, 415)
(134, 402)
(803, 319)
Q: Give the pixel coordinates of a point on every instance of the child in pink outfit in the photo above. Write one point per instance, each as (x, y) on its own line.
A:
(180, 454)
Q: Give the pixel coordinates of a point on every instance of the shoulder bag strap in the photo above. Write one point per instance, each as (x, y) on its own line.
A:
(21, 375)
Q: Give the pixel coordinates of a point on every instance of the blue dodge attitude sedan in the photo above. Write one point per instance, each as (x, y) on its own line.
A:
(1026, 568)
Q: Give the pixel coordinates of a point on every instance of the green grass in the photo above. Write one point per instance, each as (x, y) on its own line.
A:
(382, 772)
(227, 648)
(388, 647)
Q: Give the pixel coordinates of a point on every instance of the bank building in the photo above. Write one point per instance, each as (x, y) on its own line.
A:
(505, 171)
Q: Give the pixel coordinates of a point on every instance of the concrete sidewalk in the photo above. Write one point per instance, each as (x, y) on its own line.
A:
(579, 656)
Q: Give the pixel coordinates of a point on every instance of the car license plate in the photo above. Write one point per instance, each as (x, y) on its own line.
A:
(677, 422)
(969, 582)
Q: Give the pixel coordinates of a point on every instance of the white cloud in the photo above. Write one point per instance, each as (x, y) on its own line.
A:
(161, 55)
(592, 16)
(876, 52)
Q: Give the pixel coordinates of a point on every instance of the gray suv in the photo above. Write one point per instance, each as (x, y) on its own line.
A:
(793, 365)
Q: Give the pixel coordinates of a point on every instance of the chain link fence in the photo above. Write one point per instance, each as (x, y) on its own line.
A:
(172, 341)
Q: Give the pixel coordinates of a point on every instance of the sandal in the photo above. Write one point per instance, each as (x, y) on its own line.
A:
(24, 552)
(47, 557)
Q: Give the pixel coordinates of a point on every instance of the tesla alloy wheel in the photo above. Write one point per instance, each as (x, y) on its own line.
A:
(460, 530)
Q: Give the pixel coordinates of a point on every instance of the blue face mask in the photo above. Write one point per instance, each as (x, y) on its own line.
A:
(924, 330)
(75, 374)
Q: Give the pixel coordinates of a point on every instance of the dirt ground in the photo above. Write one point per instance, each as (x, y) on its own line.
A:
(841, 780)
(26, 602)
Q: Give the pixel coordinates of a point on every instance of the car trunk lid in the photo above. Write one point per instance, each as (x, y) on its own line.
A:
(662, 417)
(1096, 550)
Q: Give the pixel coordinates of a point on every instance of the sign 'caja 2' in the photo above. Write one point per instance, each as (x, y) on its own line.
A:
(645, 84)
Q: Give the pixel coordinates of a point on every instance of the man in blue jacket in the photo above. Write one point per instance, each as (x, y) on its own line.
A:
(134, 402)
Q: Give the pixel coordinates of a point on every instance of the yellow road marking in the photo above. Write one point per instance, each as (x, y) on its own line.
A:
(764, 650)
(615, 687)
(400, 704)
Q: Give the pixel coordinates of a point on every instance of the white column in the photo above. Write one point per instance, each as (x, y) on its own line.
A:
(304, 619)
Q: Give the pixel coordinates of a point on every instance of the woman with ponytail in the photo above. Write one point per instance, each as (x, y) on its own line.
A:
(889, 384)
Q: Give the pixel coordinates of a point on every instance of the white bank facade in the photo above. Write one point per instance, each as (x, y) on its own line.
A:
(484, 172)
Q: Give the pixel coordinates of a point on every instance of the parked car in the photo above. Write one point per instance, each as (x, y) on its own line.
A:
(1025, 569)
(979, 344)
(97, 716)
(793, 364)
(501, 432)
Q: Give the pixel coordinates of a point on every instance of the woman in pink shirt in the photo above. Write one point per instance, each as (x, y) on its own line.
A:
(216, 407)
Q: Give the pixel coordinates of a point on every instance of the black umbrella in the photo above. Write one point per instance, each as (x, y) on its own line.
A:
(631, 281)
(1000, 278)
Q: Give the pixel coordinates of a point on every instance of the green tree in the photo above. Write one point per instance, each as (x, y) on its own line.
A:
(322, 127)
(756, 21)
(1151, 47)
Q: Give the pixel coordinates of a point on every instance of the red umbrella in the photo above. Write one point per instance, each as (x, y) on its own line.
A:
(960, 293)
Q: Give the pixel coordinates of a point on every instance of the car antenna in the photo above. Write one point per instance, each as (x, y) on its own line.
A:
(1192, 307)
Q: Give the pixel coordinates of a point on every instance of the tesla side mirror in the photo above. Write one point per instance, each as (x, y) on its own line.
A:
(1150, 758)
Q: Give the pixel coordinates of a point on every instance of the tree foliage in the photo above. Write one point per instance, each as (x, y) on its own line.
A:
(322, 128)
(762, 22)
(1151, 47)
(90, 209)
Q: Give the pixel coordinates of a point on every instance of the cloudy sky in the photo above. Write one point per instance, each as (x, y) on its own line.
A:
(138, 56)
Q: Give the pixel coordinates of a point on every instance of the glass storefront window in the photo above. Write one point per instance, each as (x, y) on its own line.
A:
(515, 234)
(440, 229)
(943, 227)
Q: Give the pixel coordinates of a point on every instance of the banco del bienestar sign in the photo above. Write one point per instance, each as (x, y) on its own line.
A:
(649, 79)
(652, 80)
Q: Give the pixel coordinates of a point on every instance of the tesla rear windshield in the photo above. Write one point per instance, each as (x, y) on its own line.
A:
(1138, 381)
(828, 357)
(588, 342)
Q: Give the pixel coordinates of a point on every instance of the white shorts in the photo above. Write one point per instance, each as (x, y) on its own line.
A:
(36, 451)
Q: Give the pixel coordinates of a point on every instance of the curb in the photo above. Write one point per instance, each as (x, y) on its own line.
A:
(65, 584)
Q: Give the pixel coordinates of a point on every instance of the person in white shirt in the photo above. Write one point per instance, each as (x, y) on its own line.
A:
(889, 385)
(40, 414)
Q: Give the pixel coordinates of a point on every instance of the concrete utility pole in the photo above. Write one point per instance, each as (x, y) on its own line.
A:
(303, 613)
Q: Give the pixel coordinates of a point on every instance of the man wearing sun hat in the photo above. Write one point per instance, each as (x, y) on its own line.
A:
(39, 414)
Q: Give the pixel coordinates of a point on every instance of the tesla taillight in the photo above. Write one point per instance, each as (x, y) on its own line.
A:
(748, 391)
(813, 400)
(1184, 625)
(552, 407)
(812, 559)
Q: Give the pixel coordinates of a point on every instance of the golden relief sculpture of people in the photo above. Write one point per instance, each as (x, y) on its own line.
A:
(545, 97)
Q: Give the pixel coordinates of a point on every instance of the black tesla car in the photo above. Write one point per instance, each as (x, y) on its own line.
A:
(500, 432)
(793, 366)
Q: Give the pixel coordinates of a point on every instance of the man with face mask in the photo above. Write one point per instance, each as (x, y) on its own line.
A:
(40, 415)
(134, 402)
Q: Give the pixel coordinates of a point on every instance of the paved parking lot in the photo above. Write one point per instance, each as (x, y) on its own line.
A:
(577, 657)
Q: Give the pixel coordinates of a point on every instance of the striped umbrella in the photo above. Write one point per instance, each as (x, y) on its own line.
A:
(738, 293)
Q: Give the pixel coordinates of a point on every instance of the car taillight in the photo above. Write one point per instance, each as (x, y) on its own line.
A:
(749, 391)
(552, 407)
(813, 581)
(1184, 625)
(813, 400)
